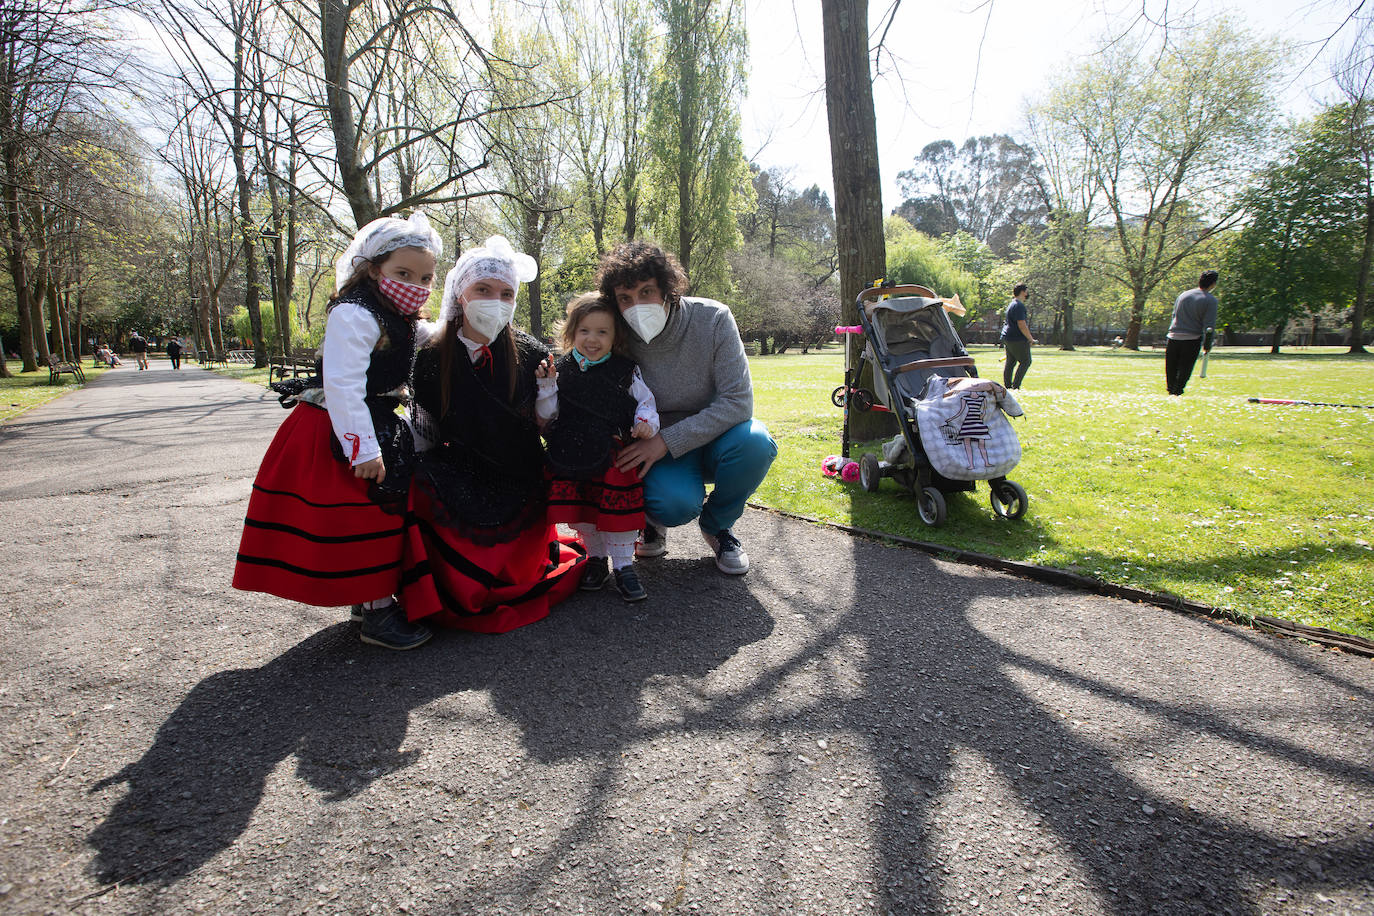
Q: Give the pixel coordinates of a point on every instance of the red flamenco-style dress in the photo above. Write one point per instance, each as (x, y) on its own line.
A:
(480, 554)
(595, 413)
(314, 533)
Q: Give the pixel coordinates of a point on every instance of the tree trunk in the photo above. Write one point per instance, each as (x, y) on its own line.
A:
(1137, 318)
(1277, 340)
(247, 229)
(37, 297)
(333, 35)
(854, 168)
(1362, 281)
(533, 247)
(1066, 342)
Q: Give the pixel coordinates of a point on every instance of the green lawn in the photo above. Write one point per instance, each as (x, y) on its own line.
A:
(26, 390)
(1252, 508)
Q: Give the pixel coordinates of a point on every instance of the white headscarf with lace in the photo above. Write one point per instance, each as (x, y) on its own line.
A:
(495, 260)
(383, 235)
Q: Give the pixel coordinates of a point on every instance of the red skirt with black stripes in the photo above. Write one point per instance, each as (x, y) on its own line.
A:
(447, 579)
(613, 503)
(311, 533)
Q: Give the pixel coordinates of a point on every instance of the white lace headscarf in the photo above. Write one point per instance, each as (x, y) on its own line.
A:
(495, 260)
(383, 235)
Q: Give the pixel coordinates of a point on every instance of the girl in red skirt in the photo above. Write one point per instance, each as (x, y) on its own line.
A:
(481, 554)
(601, 404)
(325, 519)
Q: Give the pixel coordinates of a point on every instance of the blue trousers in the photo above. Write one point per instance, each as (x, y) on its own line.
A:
(736, 462)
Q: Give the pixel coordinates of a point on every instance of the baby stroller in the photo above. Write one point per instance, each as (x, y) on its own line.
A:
(923, 376)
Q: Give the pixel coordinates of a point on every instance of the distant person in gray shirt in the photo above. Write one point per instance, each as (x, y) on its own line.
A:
(1190, 331)
(689, 352)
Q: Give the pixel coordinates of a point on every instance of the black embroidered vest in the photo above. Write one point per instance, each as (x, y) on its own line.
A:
(394, 356)
(594, 408)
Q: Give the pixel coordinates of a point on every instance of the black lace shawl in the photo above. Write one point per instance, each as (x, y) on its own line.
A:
(485, 475)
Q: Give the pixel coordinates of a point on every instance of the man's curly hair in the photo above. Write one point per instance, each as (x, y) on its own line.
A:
(631, 263)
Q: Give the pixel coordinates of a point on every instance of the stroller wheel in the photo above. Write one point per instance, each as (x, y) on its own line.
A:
(930, 503)
(837, 396)
(870, 472)
(1009, 499)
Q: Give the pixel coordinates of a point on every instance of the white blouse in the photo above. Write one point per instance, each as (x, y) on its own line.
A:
(351, 334)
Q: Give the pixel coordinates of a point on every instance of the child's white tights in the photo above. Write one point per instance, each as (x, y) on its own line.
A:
(618, 545)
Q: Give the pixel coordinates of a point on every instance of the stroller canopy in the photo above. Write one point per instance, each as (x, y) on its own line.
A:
(912, 327)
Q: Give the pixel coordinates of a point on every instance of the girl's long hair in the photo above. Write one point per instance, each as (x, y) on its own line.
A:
(450, 348)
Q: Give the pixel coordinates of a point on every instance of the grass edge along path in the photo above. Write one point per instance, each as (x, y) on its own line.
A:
(1054, 576)
(1242, 508)
(23, 391)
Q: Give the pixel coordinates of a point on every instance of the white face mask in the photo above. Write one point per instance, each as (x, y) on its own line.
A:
(646, 319)
(488, 316)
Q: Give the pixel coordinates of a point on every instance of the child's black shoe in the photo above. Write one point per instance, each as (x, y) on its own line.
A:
(388, 627)
(596, 574)
(627, 583)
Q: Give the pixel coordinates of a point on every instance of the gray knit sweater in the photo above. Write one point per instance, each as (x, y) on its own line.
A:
(698, 373)
(1194, 312)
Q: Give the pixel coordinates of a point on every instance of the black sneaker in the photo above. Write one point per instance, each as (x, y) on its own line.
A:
(653, 541)
(627, 583)
(387, 627)
(596, 575)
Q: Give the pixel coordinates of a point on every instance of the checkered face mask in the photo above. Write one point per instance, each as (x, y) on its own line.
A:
(406, 297)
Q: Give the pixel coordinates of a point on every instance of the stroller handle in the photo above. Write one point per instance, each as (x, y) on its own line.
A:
(908, 290)
(948, 362)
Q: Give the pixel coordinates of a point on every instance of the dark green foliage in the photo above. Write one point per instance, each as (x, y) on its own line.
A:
(1300, 250)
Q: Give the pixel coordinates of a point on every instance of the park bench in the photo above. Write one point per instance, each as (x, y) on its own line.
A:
(57, 367)
(302, 362)
(241, 356)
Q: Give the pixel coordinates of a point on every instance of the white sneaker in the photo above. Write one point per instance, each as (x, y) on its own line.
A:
(730, 556)
(653, 541)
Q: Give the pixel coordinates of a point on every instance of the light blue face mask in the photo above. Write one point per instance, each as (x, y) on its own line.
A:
(584, 364)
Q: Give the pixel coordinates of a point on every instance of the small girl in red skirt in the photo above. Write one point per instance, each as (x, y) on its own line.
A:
(326, 516)
(601, 404)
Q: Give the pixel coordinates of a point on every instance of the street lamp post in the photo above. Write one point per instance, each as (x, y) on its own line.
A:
(201, 353)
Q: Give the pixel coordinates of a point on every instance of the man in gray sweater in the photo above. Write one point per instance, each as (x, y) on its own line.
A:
(690, 355)
(1190, 331)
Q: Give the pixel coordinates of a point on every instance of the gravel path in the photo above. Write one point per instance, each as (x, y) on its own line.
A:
(851, 728)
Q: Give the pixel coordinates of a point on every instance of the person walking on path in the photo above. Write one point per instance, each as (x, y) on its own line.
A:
(1190, 331)
(1017, 338)
(174, 352)
(139, 347)
(691, 356)
(326, 517)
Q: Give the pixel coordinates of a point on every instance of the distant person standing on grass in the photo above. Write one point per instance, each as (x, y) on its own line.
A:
(139, 347)
(1190, 331)
(1017, 338)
